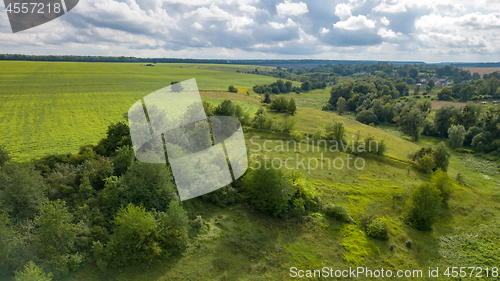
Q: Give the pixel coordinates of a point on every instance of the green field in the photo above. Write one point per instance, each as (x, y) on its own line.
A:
(55, 107)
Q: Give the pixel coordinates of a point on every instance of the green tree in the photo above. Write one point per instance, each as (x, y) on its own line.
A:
(267, 98)
(442, 156)
(232, 89)
(56, 235)
(148, 185)
(431, 84)
(279, 104)
(335, 131)
(117, 135)
(413, 73)
(21, 191)
(124, 158)
(403, 88)
(31, 272)
(341, 104)
(173, 229)
(292, 108)
(209, 108)
(226, 108)
(288, 86)
(443, 183)
(445, 94)
(306, 86)
(456, 134)
(422, 208)
(367, 117)
(411, 122)
(444, 118)
(4, 155)
(134, 239)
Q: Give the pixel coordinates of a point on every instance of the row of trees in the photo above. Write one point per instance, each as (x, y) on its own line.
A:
(286, 87)
(480, 89)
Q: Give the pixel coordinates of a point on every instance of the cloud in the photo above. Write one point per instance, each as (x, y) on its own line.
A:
(387, 8)
(385, 21)
(355, 23)
(385, 33)
(343, 11)
(288, 8)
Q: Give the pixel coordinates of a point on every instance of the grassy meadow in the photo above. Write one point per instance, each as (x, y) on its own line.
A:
(57, 107)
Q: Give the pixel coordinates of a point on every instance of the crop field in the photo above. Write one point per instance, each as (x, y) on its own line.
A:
(55, 107)
(482, 70)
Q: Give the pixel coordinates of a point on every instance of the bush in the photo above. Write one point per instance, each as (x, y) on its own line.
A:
(124, 158)
(267, 98)
(337, 212)
(378, 229)
(443, 183)
(279, 104)
(374, 146)
(279, 193)
(232, 89)
(292, 108)
(335, 131)
(426, 164)
(423, 206)
(222, 197)
(442, 156)
(367, 117)
(296, 136)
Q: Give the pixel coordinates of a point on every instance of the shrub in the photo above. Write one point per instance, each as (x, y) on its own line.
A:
(443, 183)
(426, 164)
(335, 131)
(222, 197)
(337, 212)
(279, 104)
(279, 193)
(378, 229)
(442, 156)
(296, 136)
(374, 146)
(367, 117)
(232, 89)
(423, 206)
(267, 98)
(292, 108)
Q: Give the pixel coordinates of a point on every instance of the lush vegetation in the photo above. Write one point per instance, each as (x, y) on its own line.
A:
(94, 213)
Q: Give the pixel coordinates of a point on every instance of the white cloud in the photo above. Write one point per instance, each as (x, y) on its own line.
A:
(324, 30)
(388, 8)
(197, 26)
(385, 21)
(343, 11)
(288, 8)
(355, 23)
(277, 25)
(469, 21)
(387, 33)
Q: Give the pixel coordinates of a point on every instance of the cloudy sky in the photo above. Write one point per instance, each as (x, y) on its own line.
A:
(415, 30)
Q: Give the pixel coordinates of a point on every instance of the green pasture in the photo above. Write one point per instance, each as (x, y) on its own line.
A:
(55, 107)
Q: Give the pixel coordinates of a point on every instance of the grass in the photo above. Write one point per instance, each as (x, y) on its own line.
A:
(57, 107)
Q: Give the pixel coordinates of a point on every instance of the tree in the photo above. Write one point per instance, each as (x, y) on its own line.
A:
(413, 73)
(117, 135)
(56, 235)
(442, 156)
(267, 98)
(443, 119)
(423, 206)
(402, 88)
(225, 108)
(343, 90)
(306, 86)
(341, 104)
(443, 183)
(476, 76)
(292, 108)
(431, 83)
(445, 94)
(367, 117)
(232, 89)
(125, 156)
(21, 191)
(288, 86)
(173, 229)
(32, 272)
(467, 93)
(456, 134)
(134, 237)
(4, 155)
(335, 131)
(279, 104)
(148, 185)
(411, 122)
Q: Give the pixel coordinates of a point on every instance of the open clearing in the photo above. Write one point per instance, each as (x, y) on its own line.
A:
(481, 70)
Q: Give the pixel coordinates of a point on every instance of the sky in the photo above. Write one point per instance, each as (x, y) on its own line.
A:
(388, 30)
